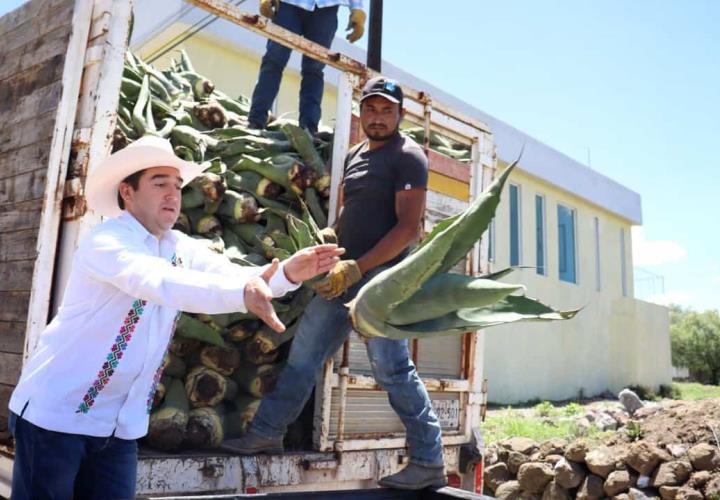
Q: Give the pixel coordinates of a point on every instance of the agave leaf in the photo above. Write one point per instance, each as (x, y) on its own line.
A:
(447, 246)
(447, 292)
(509, 310)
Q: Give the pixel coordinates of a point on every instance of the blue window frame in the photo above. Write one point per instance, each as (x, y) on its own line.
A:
(540, 235)
(514, 225)
(566, 244)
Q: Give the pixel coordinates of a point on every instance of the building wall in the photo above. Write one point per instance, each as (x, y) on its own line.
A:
(614, 340)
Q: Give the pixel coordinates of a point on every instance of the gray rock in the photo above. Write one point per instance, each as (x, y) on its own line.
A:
(643, 481)
(644, 457)
(600, 461)
(617, 482)
(576, 451)
(699, 479)
(523, 445)
(554, 446)
(636, 494)
(686, 493)
(495, 475)
(583, 426)
(703, 456)
(569, 474)
(515, 460)
(491, 456)
(677, 450)
(553, 459)
(534, 476)
(591, 488)
(605, 422)
(508, 491)
(672, 473)
(554, 491)
(712, 488)
(668, 492)
(630, 401)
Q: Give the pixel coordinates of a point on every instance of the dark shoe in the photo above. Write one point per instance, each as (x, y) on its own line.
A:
(415, 477)
(251, 444)
(256, 125)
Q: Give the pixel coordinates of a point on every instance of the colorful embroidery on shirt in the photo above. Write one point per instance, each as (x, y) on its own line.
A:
(113, 358)
(176, 261)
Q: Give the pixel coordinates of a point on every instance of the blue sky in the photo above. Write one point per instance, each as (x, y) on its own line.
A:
(635, 82)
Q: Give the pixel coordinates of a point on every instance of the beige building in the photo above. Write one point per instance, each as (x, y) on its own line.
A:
(567, 225)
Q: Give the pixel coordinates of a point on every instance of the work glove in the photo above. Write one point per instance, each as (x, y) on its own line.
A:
(341, 277)
(268, 8)
(328, 235)
(356, 23)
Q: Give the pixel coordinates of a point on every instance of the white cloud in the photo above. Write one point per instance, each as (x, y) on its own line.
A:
(686, 299)
(654, 253)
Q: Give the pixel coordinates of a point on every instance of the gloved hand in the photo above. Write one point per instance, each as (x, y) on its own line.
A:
(356, 23)
(328, 235)
(341, 277)
(268, 8)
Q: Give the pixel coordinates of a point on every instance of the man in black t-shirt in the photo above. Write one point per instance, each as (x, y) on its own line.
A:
(382, 203)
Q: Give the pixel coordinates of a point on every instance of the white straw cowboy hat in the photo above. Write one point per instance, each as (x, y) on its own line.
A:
(101, 187)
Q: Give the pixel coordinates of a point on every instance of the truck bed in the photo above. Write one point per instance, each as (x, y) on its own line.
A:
(370, 494)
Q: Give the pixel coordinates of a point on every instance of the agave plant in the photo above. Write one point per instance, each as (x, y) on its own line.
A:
(419, 297)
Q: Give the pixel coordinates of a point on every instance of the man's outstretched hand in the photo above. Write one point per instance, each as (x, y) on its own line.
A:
(309, 262)
(258, 297)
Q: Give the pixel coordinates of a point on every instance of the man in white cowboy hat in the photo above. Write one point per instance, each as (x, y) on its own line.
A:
(84, 394)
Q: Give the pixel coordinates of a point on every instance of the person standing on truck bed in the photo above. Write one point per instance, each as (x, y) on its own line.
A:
(317, 21)
(382, 199)
(85, 393)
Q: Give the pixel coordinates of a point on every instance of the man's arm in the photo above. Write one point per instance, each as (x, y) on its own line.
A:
(409, 208)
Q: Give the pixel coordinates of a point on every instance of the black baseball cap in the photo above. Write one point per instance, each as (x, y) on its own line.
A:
(384, 87)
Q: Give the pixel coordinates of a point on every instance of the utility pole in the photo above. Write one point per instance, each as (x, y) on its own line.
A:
(374, 51)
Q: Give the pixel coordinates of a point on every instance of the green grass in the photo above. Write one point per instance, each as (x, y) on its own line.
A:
(511, 423)
(694, 390)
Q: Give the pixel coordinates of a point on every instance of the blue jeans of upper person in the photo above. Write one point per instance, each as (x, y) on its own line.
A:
(323, 328)
(318, 26)
(58, 465)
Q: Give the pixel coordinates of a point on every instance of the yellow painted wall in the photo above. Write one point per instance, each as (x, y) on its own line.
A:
(233, 70)
(607, 345)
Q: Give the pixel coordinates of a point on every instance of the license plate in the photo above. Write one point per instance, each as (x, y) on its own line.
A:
(448, 412)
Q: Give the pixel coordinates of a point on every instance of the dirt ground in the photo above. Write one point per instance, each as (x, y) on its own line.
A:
(678, 422)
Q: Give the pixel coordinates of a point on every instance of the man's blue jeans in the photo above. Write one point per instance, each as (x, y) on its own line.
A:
(318, 26)
(323, 328)
(51, 464)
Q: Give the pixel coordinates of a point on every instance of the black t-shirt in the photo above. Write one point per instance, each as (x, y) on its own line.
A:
(370, 182)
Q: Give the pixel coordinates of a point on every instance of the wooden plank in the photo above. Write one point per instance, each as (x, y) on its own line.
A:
(23, 187)
(17, 216)
(14, 306)
(34, 32)
(20, 245)
(40, 102)
(449, 167)
(12, 336)
(28, 132)
(5, 393)
(22, 84)
(10, 366)
(31, 157)
(51, 46)
(22, 16)
(16, 276)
